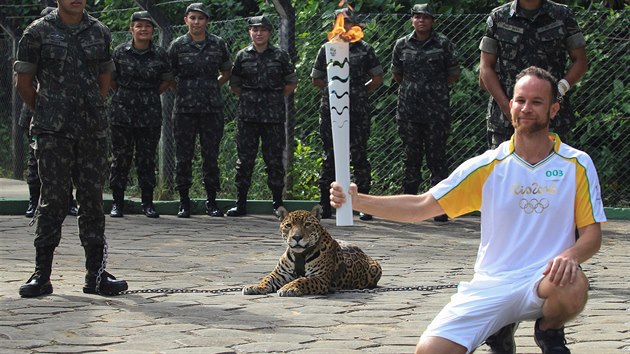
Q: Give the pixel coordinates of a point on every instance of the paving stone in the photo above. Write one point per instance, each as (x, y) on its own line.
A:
(204, 255)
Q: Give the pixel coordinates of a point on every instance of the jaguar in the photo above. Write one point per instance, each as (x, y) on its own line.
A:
(314, 263)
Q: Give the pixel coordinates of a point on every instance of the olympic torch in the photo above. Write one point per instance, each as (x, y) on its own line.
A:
(338, 72)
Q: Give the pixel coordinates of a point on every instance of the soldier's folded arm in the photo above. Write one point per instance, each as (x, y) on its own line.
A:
(235, 84)
(578, 65)
(377, 78)
(489, 81)
(24, 86)
(224, 77)
(167, 81)
(291, 84)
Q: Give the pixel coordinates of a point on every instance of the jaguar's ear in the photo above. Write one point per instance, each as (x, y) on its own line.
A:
(282, 213)
(317, 211)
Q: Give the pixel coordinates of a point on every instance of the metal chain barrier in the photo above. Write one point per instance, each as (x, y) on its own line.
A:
(180, 291)
(101, 269)
(233, 290)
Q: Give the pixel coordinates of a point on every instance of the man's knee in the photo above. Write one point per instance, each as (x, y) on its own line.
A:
(572, 297)
(438, 345)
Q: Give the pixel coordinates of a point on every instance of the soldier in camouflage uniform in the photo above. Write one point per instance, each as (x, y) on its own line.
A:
(262, 75)
(366, 75)
(424, 64)
(201, 65)
(32, 176)
(67, 51)
(524, 33)
(142, 73)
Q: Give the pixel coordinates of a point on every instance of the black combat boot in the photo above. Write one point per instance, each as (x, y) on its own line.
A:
(33, 200)
(184, 204)
(240, 208)
(212, 209)
(551, 340)
(118, 204)
(39, 283)
(73, 209)
(324, 201)
(363, 216)
(97, 280)
(147, 204)
(276, 195)
(502, 342)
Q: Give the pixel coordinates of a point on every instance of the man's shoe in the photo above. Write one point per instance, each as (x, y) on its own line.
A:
(551, 341)
(212, 209)
(277, 203)
(73, 210)
(36, 285)
(237, 210)
(184, 209)
(149, 211)
(183, 213)
(108, 284)
(39, 283)
(365, 217)
(502, 342)
(31, 208)
(117, 210)
(441, 218)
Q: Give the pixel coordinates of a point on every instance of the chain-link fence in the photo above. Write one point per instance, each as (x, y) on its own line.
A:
(601, 101)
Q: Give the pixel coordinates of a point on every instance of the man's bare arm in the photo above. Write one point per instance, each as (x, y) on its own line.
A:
(24, 86)
(104, 82)
(490, 81)
(402, 208)
(578, 66)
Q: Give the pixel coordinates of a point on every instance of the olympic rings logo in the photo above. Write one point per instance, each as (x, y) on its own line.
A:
(534, 205)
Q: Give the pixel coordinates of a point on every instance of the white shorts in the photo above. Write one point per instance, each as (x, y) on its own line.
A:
(483, 306)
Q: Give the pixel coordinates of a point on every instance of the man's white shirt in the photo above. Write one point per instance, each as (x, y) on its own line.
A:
(528, 212)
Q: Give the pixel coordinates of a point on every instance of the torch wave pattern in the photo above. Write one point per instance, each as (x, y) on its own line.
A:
(337, 111)
(339, 96)
(340, 64)
(342, 79)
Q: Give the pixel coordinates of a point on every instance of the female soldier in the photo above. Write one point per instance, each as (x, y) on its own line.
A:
(142, 73)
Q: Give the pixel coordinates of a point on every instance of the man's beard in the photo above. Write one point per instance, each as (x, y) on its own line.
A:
(531, 128)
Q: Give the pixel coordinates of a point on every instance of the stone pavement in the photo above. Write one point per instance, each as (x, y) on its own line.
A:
(207, 254)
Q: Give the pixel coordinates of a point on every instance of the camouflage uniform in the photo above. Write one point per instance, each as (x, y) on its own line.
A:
(136, 112)
(261, 113)
(198, 106)
(32, 175)
(423, 104)
(363, 65)
(519, 42)
(68, 127)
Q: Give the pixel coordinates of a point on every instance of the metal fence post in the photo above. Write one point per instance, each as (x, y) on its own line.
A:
(286, 36)
(17, 133)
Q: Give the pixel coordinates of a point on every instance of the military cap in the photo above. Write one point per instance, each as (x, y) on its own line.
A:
(424, 9)
(260, 21)
(347, 14)
(143, 16)
(197, 6)
(47, 10)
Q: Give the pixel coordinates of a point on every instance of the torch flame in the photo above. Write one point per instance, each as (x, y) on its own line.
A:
(339, 32)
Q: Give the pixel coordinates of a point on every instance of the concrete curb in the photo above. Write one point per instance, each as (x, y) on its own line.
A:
(170, 207)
